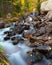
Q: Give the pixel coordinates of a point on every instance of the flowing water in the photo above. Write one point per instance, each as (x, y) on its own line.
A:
(16, 53)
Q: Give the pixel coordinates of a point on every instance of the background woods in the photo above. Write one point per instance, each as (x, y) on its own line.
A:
(16, 6)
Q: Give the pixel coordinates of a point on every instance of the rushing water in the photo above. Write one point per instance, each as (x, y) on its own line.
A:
(16, 53)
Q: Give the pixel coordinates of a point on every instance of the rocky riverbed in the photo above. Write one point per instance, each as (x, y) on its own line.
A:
(28, 41)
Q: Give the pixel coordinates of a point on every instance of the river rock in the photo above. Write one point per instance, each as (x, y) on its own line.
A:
(6, 32)
(2, 25)
(27, 33)
(42, 30)
(7, 25)
(26, 26)
(7, 38)
(49, 42)
(10, 33)
(49, 55)
(48, 48)
(48, 17)
(34, 57)
(32, 39)
(49, 29)
(29, 19)
(17, 39)
(14, 40)
(18, 29)
(46, 6)
(44, 49)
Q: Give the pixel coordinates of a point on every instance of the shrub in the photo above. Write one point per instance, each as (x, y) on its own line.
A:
(38, 5)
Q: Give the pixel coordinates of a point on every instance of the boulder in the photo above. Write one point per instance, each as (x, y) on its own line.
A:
(48, 17)
(44, 50)
(18, 29)
(7, 38)
(27, 33)
(2, 25)
(49, 55)
(34, 57)
(7, 25)
(46, 6)
(17, 39)
(28, 19)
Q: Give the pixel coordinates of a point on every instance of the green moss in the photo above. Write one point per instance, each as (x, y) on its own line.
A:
(1, 48)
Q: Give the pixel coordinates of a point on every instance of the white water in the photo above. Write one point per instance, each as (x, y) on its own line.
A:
(14, 52)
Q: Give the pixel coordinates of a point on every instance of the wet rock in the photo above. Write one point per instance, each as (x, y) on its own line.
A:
(49, 55)
(7, 25)
(32, 39)
(10, 33)
(27, 33)
(16, 23)
(21, 21)
(46, 37)
(37, 34)
(49, 29)
(2, 25)
(42, 30)
(34, 57)
(44, 50)
(15, 42)
(26, 26)
(18, 29)
(49, 42)
(17, 39)
(7, 38)
(28, 19)
(6, 32)
(37, 24)
(34, 14)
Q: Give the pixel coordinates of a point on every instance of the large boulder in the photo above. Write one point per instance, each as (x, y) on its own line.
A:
(46, 6)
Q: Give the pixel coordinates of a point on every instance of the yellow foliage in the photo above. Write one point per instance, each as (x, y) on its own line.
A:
(32, 8)
(22, 2)
(33, 2)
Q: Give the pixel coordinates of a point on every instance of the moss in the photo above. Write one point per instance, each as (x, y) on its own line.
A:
(1, 48)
